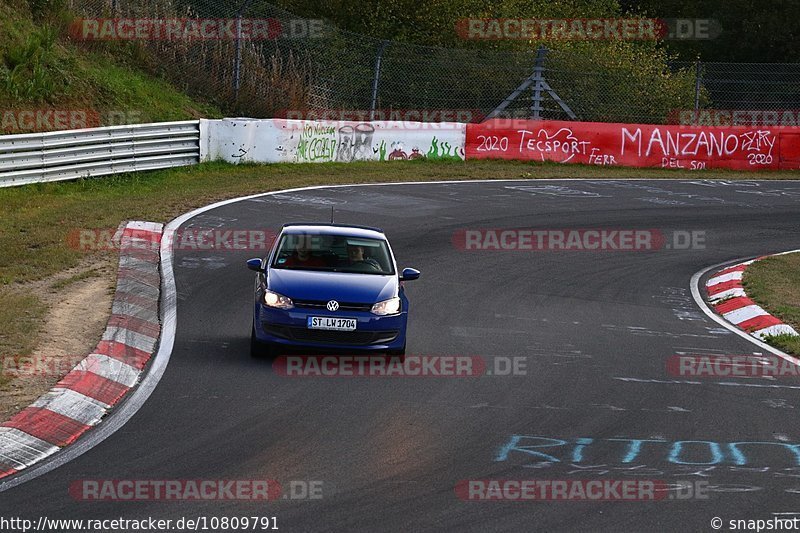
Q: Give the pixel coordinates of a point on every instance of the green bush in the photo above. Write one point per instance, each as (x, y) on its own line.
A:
(44, 9)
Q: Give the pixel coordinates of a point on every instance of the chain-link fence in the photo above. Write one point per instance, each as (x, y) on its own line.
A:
(308, 68)
(763, 93)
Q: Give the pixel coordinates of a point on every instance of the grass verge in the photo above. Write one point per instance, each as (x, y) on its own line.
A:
(36, 220)
(774, 283)
(20, 318)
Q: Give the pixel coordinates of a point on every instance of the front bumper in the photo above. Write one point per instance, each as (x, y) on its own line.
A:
(289, 328)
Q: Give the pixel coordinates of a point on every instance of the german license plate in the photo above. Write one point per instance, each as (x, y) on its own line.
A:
(331, 323)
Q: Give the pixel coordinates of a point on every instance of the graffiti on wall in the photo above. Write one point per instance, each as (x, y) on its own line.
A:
(317, 143)
(325, 142)
(636, 145)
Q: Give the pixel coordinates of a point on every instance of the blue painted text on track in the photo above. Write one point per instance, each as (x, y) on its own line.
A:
(630, 450)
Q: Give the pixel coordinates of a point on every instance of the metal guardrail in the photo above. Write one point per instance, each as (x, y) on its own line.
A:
(65, 155)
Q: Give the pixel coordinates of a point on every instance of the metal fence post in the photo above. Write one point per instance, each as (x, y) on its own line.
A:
(237, 65)
(538, 77)
(376, 78)
(697, 79)
(540, 85)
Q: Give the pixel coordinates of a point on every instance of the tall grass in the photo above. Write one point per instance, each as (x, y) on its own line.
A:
(31, 71)
(270, 79)
(43, 69)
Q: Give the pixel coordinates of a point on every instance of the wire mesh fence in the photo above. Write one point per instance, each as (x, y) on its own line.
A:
(308, 68)
(761, 93)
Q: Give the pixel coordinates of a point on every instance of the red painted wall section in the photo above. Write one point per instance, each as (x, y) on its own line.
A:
(636, 145)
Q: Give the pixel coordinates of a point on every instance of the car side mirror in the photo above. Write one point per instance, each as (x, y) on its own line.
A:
(409, 274)
(254, 264)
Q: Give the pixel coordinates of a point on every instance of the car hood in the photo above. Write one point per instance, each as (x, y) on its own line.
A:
(343, 287)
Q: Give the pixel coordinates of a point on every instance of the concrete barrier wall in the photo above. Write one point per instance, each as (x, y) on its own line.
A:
(299, 141)
(40, 157)
(636, 145)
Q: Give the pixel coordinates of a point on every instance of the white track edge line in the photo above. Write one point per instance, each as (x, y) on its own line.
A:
(118, 417)
(168, 305)
(698, 298)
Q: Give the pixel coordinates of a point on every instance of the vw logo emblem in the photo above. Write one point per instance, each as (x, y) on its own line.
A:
(333, 305)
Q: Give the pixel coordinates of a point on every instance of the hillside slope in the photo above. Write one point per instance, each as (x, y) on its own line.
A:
(47, 80)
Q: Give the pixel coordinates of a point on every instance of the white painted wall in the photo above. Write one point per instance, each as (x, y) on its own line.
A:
(298, 141)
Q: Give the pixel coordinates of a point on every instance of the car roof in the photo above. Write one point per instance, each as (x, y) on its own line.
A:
(343, 230)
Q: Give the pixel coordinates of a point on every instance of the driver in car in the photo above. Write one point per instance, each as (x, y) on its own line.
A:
(355, 256)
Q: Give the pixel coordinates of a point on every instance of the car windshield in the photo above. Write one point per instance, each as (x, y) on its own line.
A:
(333, 253)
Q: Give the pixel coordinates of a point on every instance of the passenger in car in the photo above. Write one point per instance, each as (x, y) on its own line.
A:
(302, 257)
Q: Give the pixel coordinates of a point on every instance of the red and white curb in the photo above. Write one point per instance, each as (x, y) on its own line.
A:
(727, 296)
(82, 397)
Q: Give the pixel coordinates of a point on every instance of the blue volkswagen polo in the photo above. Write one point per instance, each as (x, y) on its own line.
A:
(329, 287)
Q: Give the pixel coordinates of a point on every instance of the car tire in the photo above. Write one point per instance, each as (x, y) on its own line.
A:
(260, 349)
(256, 347)
(401, 353)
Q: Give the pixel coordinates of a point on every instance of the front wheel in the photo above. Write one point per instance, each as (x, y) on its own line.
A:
(401, 353)
(260, 349)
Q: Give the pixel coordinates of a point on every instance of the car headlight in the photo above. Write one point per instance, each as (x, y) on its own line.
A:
(273, 299)
(387, 307)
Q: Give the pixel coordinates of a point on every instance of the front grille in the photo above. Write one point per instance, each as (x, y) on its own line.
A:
(319, 304)
(321, 336)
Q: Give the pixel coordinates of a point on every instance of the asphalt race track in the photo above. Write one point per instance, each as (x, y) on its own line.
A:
(595, 328)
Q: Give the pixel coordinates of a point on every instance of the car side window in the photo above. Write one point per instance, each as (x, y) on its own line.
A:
(379, 256)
